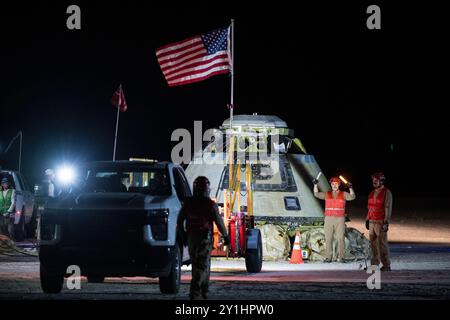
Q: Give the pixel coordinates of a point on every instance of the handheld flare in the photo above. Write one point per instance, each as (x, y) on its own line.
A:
(343, 179)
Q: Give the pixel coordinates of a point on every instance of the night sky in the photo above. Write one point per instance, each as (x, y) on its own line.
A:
(360, 100)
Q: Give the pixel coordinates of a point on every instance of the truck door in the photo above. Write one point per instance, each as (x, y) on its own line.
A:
(181, 186)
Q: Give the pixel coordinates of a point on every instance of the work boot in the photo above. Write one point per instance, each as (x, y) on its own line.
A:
(327, 260)
(341, 260)
(195, 296)
(385, 268)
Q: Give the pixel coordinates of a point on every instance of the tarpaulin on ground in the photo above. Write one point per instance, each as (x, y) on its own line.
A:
(275, 242)
(356, 245)
(10, 248)
(6, 245)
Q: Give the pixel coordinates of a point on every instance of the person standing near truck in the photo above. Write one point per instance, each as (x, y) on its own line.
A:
(200, 212)
(50, 183)
(7, 205)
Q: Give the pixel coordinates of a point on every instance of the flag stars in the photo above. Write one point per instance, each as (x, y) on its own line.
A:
(216, 40)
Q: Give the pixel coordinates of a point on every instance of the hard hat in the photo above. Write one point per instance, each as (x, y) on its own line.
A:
(379, 176)
(201, 186)
(335, 179)
(5, 180)
(49, 172)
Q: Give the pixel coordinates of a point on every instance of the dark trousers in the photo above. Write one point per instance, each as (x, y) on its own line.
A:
(200, 253)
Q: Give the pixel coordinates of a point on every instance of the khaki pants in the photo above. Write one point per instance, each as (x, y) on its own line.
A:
(378, 244)
(334, 227)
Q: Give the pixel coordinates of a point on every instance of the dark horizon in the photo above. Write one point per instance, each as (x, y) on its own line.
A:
(378, 92)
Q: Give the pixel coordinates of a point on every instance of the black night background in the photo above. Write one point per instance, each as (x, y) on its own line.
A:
(360, 100)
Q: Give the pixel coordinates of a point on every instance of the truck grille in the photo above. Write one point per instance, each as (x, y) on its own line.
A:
(96, 228)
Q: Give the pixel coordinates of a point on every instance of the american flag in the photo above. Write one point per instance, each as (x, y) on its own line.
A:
(195, 59)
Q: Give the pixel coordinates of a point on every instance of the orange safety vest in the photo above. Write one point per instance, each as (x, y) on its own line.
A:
(375, 206)
(335, 207)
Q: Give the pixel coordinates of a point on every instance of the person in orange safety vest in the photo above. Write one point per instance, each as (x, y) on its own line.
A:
(379, 209)
(334, 222)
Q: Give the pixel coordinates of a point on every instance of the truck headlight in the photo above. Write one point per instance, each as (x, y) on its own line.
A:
(158, 220)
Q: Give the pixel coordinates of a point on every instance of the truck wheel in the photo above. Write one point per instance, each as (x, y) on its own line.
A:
(19, 229)
(254, 257)
(171, 283)
(50, 282)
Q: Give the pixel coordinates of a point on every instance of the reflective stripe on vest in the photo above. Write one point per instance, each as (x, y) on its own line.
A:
(376, 206)
(5, 201)
(335, 207)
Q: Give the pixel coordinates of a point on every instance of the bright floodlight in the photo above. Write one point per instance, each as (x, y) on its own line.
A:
(65, 175)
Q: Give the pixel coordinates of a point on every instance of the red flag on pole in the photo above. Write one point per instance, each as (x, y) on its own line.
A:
(118, 100)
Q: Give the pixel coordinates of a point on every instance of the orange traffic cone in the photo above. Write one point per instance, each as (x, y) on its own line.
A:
(296, 256)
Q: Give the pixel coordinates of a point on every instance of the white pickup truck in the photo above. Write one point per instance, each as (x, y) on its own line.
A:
(25, 213)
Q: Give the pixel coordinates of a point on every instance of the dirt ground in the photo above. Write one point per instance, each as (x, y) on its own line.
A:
(414, 220)
(420, 248)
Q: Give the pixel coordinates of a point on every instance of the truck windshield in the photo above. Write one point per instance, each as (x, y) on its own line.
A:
(148, 181)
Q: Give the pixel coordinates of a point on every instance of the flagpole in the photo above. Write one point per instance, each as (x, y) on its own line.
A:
(117, 123)
(115, 137)
(231, 151)
(20, 150)
(232, 74)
